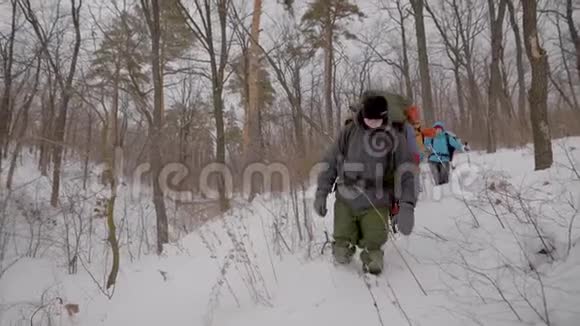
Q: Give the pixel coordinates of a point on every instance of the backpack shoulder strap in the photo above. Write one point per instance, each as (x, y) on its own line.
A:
(344, 137)
(449, 136)
(450, 148)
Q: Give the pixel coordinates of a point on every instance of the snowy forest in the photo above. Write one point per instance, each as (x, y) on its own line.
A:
(160, 161)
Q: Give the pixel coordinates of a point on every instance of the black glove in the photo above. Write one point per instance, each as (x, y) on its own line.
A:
(406, 218)
(320, 205)
(466, 147)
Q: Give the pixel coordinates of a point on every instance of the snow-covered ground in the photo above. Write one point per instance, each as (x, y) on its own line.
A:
(502, 252)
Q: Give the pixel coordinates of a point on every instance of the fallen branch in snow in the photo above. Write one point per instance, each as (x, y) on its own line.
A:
(571, 161)
(571, 225)
(533, 221)
(267, 243)
(436, 234)
(277, 229)
(471, 212)
(545, 317)
(223, 271)
(492, 204)
(216, 288)
(42, 306)
(495, 285)
(104, 290)
(254, 278)
(5, 268)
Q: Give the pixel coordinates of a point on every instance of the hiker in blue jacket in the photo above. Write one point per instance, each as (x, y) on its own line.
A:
(441, 148)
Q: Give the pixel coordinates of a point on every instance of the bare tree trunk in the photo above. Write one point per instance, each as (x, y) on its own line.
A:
(298, 116)
(152, 14)
(218, 71)
(494, 89)
(453, 50)
(253, 143)
(573, 32)
(426, 91)
(406, 69)
(67, 93)
(522, 111)
(538, 95)
(567, 66)
(6, 100)
(218, 61)
(65, 84)
(23, 125)
(467, 33)
(48, 106)
(505, 95)
(336, 97)
(328, 62)
(113, 160)
(459, 90)
(88, 149)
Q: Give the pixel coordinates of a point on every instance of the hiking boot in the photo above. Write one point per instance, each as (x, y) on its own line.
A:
(372, 261)
(343, 253)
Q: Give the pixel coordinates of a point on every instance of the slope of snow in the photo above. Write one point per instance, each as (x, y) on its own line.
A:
(478, 263)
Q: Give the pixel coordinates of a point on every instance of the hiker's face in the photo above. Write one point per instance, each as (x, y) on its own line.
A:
(438, 130)
(373, 123)
(413, 115)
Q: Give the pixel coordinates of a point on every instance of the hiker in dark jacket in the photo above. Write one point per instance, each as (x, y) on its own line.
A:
(370, 163)
(441, 148)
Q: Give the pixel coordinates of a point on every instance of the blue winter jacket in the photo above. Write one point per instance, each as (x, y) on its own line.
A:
(438, 145)
(411, 142)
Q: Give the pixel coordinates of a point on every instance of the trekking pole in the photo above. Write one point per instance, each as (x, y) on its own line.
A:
(394, 244)
(440, 161)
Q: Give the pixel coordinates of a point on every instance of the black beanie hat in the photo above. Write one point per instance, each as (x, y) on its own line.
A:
(375, 107)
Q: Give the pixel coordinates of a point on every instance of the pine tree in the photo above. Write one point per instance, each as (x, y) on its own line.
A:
(325, 23)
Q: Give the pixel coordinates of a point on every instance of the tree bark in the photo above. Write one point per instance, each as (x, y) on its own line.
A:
(218, 61)
(298, 111)
(48, 108)
(65, 85)
(152, 14)
(23, 126)
(454, 54)
(218, 71)
(538, 94)
(459, 90)
(573, 33)
(467, 33)
(88, 149)
(494, 89)
(522, 110)
(426, 91)
(406, 69)
(5, 101)
(567, 67)
(67, 93)
(328, 62)
(253, 143)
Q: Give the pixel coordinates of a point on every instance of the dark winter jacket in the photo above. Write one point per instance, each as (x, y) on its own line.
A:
(369, 166)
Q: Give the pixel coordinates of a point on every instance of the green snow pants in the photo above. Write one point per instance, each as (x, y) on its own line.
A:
(366, 229)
